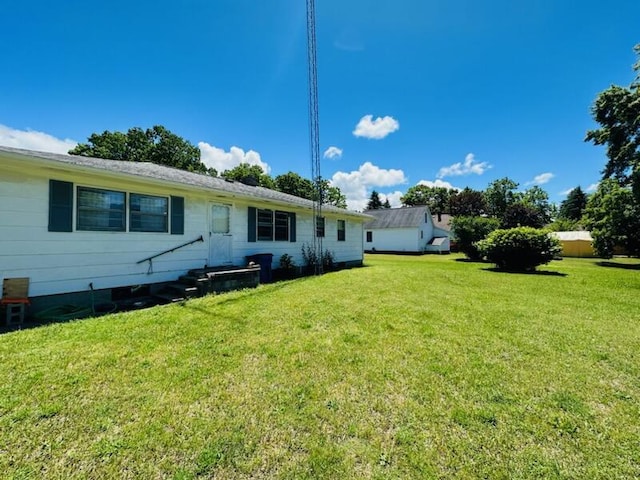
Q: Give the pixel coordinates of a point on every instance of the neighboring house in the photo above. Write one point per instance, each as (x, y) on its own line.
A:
(71, 223)
(404, 230)
(575, 244)
(442, 221)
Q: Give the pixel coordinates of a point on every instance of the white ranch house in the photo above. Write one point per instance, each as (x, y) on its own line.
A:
(405, 230)
(70, 223)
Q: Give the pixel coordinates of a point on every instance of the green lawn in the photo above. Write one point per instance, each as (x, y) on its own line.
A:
(412, 367)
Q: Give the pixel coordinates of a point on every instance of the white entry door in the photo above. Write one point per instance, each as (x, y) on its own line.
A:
(220, 238)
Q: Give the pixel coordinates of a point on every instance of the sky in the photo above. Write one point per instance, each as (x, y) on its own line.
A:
(450, 93)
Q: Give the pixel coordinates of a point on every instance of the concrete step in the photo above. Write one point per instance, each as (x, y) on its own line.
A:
(168, 298)
(183, 289)
(193, 280)
(203, 284)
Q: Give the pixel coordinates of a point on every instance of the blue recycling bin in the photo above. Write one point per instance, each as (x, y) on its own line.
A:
(264, 260)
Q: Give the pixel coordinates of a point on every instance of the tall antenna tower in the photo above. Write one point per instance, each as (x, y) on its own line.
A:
(314, 132)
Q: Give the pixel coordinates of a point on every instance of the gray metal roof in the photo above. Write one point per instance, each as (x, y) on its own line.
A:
(161, 173)
(405, 217)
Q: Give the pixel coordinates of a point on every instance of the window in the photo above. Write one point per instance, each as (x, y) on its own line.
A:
(148, 213)
(282, 226)
(102, 210)
(342, 229)
(369, 237)
(220, 216)
(274, 225)
(319, 226)
(265, 224)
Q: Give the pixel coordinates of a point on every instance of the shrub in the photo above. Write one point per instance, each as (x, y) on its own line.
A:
(519, 249)
(328, 260)
(287, 262)
(309, 256)
(469, 230)
(311, 259)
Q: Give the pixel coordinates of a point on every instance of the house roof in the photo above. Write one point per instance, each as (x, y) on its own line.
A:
(160, 173)
(444, 223)
(573, 236)
(405, 217)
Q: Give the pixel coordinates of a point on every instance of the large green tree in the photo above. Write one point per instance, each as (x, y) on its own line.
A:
(613, 217)
(332, 195)
(436, 198)
(294, 184)
(157, 145)
(522, 214)
(573, 206)
(499, 195)
(538, 199)
(250, 173)
(374, 202)
(617, 110)
(467, 203)
(469, 230)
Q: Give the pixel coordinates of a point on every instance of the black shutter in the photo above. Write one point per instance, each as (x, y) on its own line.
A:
(251, 225)
(60, 206)
(292, 227)
(177, 215)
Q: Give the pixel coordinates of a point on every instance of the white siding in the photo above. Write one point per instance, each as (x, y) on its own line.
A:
(411, 239)
(394, 239)
(61, 262)
(349, 250)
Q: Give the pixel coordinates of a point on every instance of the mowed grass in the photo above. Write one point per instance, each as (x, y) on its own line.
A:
(412, 367)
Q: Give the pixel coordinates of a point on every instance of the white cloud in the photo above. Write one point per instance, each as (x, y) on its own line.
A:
(333, 153)
(593, 187)
(468, 167)
(34, 140)
(437, 183)
(566, 192)
(214, 157)
(393, 197)
(541, 179)
(376, 129)
(356, 185)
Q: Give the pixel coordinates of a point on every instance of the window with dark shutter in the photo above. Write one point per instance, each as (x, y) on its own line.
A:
(265, 224)
(282, 226)
(148, 213)
(319, 226)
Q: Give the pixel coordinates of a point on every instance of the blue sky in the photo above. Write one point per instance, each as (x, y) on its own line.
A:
(458, 92)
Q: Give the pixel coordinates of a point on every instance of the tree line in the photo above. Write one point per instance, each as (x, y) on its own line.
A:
(501, 200)
(160, 146)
